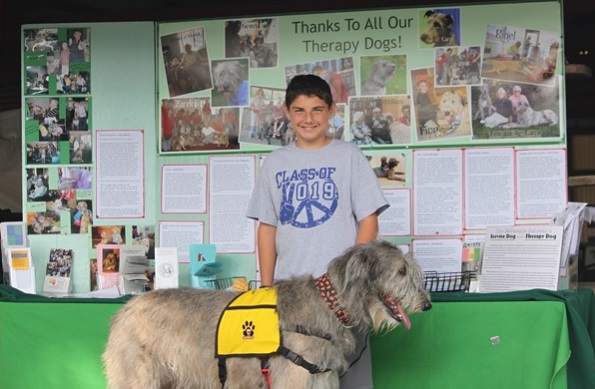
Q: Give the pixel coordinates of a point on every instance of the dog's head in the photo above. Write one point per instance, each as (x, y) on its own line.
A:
(378, 285)
(521, 107)
(264, 55)
(228, 77)
(382, 70)
(440, 29)
(110, 263)
(451, 104)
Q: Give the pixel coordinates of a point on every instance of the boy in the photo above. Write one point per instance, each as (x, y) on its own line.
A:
(314, 199)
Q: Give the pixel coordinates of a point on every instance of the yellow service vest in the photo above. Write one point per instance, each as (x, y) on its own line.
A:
(249, 325)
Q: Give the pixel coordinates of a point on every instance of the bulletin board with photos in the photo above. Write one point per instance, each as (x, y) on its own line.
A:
(406, 77)
(459, 126)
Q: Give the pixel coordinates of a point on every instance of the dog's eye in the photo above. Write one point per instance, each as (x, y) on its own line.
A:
(436, 24)
(403, 270)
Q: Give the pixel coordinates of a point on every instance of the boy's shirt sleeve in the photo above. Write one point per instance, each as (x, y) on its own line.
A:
(261, 206)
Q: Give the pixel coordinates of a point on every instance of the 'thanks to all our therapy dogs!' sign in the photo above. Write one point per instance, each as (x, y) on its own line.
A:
(436, 75)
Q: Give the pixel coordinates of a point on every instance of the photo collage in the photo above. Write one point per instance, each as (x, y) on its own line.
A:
(502, 86)
(58, 130)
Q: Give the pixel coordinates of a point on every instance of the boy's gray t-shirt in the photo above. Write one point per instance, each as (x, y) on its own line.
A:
(315, 198)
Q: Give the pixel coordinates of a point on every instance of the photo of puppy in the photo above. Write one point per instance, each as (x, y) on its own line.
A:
(441, 28)
(231, 84)
(528, 117)
(452, 113)
(378, 76)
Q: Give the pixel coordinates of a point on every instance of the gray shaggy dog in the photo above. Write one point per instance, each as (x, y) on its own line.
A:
(228, 78)
(166, 338)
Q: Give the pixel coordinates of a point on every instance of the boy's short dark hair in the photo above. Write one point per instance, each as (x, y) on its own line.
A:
(308, 85)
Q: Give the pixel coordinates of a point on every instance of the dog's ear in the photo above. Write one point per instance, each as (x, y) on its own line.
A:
(428, 14)
(449, 20)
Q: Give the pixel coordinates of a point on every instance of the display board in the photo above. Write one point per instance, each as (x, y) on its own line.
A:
(460, 111)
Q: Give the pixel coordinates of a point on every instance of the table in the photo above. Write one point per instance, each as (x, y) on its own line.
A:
(57, 342)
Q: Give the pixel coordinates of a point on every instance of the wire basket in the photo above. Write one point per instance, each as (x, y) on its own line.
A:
(448, 282)
(221, 283)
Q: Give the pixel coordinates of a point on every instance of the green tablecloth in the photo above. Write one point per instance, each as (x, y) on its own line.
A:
(450, 346)
(57, 343)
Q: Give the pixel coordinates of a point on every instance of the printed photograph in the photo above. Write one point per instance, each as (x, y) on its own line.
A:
(263, 121)
(77, 48)
(457, 66)
(60, 263)
(186, 60)
(505, 110)
(80, 147)
(41, 40)
(77, 113)
(380, 120)
(108, 258)
(255, 39)
(61, 200)
(37, 184)
(383, 75)
(439, 112)
(439, 27)
(74, 83)
(231, 82)
(113, 235)
(193, 125)
(389, 168)
(44, 113)
(520, 55)
(75, 178)
(39, 223)
(338, 73)
(43, 153)
(37, 80)
(81, 218)
(145, 236)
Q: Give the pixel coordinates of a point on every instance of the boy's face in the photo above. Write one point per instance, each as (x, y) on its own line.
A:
(309, 117)
(422, 86)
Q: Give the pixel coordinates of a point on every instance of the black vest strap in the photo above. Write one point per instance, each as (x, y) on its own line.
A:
(298, 360)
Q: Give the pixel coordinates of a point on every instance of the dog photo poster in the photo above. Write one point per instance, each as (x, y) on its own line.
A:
(439, 112)
(520, 54)
(108, 265)
(440, 27)
(383, 75)
(509, 110)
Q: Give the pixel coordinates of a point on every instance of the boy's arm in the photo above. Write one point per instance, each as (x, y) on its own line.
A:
(367, 229)
(267, 253)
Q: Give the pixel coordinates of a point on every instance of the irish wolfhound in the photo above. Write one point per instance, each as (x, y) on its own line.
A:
(166, 338)
(228, 77)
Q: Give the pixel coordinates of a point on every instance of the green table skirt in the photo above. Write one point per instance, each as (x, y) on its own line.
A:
(502, 340)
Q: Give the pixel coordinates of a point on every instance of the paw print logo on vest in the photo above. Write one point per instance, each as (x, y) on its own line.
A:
(248, 330)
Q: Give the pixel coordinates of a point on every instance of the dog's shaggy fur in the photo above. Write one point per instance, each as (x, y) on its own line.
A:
(228, 78)
(452, 113)
(166, 338)
(440, 30)
(528, 117)
(380, 72)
